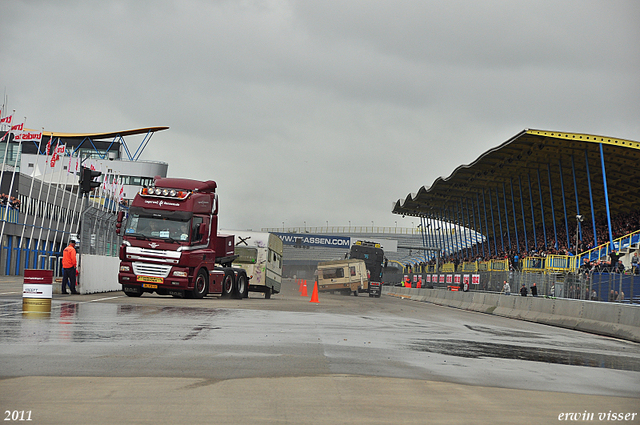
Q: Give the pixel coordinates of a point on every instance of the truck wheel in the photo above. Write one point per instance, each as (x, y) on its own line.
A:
(201, 285)
(267, 293)
(228, 284)
(242, 286)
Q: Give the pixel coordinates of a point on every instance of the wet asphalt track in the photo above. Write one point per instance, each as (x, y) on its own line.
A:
(287, 345)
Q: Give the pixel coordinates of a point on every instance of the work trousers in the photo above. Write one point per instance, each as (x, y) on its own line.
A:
(69, 277)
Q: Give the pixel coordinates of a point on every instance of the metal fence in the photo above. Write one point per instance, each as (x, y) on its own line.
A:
(610, 287)
(98, 233)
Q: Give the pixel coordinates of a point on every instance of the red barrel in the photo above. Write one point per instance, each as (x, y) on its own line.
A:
(37, 290)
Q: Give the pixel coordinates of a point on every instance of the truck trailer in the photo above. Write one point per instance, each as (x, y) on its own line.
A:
(171, 245)
(260, 255)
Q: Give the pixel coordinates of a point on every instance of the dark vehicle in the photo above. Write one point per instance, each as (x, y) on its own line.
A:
(373, 257)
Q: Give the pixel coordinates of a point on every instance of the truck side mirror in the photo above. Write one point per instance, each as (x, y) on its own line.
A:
(202, 230)
(119, 222)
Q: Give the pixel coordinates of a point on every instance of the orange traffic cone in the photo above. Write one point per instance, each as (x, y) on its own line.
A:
(314, 296)
(304, 289)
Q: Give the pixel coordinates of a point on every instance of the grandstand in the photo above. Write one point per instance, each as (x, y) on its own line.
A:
(544, 202)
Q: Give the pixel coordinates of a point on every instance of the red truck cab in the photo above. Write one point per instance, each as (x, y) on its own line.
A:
(171, 246)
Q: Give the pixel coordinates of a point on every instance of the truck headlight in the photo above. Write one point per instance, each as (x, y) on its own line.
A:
(125, 268)
(180, 274)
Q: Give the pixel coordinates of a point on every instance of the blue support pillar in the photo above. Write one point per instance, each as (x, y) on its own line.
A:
(515, 221)
(553, 210)
(467, 242)
(575, 189)
(7, 270)
(499, 217)
(443, 233)
(564, 205)
(480, 222)
(533, 216)
(606, 197)
(506, 213)
(472, 230)
(493, 223)
(18, 249)
(593, 216)
(434, 236)
(544, 226)
(456, 239)
(524, 221)
(459, 233)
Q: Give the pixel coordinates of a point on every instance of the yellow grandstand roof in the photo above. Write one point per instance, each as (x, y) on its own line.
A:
(518, 162)
(106, 135)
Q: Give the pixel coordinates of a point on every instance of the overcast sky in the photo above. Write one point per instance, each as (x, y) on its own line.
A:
(322, 111)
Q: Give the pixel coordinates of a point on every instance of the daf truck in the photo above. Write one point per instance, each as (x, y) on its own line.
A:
(171, 244)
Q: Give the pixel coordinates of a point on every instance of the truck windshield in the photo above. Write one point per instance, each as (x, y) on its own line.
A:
(158, 227)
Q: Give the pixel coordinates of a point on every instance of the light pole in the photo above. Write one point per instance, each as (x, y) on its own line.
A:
(579, 220)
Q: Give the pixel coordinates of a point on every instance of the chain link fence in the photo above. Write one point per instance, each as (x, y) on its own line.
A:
(610, 287)
(98, 233)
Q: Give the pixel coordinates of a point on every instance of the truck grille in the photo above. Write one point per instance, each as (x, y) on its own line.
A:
(156, 270)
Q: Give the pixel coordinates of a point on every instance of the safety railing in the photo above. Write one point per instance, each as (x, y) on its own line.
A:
(10, 215)
(483, 266)
(558, 263)
(470, 266)
(448, 268)
(602, 251)
(499, 265)
(533, 264)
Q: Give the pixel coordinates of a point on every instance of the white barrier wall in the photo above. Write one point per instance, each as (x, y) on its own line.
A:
(612, 319)
(99, 274)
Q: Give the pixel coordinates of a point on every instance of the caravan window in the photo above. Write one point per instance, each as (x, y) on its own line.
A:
(332, 273)
(247, 255)
(352, 269)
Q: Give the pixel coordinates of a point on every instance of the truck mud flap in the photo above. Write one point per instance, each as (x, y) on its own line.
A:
(176, 293)
(132, 289)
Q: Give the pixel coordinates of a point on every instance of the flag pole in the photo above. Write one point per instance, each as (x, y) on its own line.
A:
(29, 203)
(7, 136)
(13, 176)
(42, 182)
(55, 196)
(46, 202)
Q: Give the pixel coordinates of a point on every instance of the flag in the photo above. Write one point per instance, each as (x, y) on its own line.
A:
(49, 145)
(14, 129)
(35, 136)
(54, 155)
(6, 120)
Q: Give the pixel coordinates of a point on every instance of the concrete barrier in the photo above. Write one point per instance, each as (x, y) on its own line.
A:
(99, 274)
(611, 319)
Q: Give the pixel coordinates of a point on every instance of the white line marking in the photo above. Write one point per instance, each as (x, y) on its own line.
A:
(103, 299)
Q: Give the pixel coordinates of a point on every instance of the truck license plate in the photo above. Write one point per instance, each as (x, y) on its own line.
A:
(150, 279)
(149, 285)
